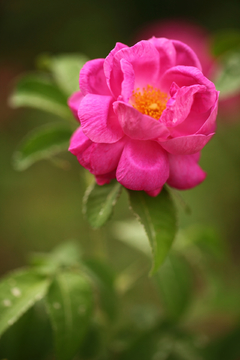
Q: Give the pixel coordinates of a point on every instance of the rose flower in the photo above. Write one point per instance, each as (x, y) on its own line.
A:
(146, 111)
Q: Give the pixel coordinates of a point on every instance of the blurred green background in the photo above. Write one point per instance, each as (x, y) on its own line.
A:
(41, 206)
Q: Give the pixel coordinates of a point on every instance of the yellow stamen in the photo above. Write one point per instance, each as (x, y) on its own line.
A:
(150, 101)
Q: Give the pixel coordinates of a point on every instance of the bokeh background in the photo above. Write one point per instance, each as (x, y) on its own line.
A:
(41, 206)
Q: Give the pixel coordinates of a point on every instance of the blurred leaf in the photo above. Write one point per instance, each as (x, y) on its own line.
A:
(225, 40)
(158, 216)
(92, 344)
(228, 79)
(38, 91)
(42, 143)
(65, 255)
(69, 303)
(65, 69)
(18, 292)
(103, 279)
(29, 338)
(99, 202)
(225, 347)
(174, 281)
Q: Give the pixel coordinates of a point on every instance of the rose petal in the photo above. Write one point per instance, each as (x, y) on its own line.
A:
(98, 120)
(100, 159)
(108, 66)
(105, 178)
(138, 126)
(74, 102)
(185, 55)
(185, 173)
(128, 79)
(154, 193)
(186, 145)
(143, 166)
(167, 53)
(210, 123)
(79, 142)
(92, 78)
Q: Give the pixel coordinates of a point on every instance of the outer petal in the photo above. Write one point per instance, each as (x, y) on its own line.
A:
(98, 120)
(167, 53)
(210, 123)
(185, 55)
(105, 178)
(74, 102)
(79, 142)
(187, 76)
(108, 67)
(138, 126)
(185, 173)
(144, 59)
(101, 159)
(143, 166)
(154, 193)
(92, 78)
(186, 145)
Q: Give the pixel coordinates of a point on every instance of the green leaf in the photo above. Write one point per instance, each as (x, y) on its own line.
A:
(38, 91)
(158, 216)
(103, 280)
(174, 281)
(65, 69)
(69, 303)
(65, 255)
(18, 292)
(99, 202)
(228, 79)
(42, 143)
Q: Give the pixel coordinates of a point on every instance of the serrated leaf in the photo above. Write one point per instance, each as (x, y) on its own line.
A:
(99, 202)
(69, 303)
(158, 216)
(38, 91)
(65, 69)
(18, 292)
(228, 79)
(174, 281)
(103, 280)
(42, 143)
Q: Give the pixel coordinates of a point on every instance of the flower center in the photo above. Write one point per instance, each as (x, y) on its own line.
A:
(149, 101)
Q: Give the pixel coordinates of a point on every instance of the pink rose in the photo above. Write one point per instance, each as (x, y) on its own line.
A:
(146, 111)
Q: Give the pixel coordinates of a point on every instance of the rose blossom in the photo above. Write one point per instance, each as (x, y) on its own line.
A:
(146, 111)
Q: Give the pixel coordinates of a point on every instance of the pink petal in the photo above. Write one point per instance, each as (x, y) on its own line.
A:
(184, 76)
(180, 104)
(154, 193)
(185, 173)
(167, 53)
(92, 78)
(100, 159)
(98, 120)
(144, 59)
(128, 79)
(186, 145)
(185, 55)
(106, 178)
(74, 102)
(138, 126)
(79, 142)
(210, 123)
(143, 166)
(108, 67)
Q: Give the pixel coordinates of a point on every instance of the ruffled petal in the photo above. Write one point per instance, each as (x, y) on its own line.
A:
(79, 142)
(105, 178)
(128, 80)
(92, 78)
(115, 88)
(143, 166)
(138, 126)
(167, 53)
(185, 55)
(186, 76)
(186, 145)
(210, 123)
(144, 59)
(98, 120)
(185, 173)
(100, 159)
(74, 102)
